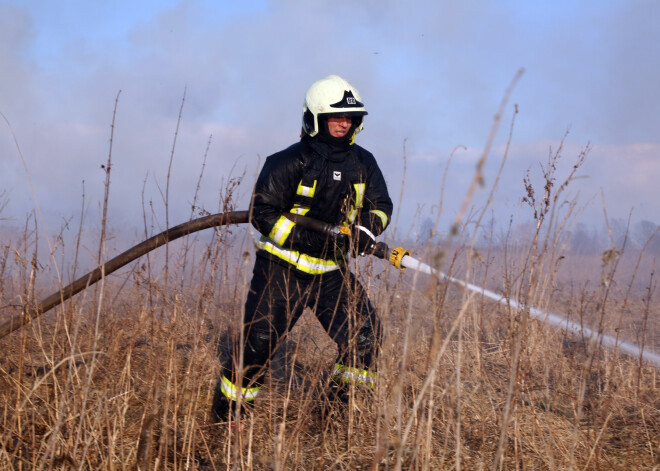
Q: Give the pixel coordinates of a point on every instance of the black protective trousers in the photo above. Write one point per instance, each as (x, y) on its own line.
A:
(278, 296)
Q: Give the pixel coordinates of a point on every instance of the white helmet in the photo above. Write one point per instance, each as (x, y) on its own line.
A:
(331, 96)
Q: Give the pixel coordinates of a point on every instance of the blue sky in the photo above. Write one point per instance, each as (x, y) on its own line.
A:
(432, 75)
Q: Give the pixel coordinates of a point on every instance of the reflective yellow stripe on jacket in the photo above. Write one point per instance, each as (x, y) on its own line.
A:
(281, 230)
(306, 190)
(303, 262)
(381, 215)
(359, 201)
(299, 209)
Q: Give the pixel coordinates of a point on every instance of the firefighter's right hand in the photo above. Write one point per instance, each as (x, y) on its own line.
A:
(363, 241)
(356, 239)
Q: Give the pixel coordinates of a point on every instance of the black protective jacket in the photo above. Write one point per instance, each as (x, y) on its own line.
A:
(341, 186)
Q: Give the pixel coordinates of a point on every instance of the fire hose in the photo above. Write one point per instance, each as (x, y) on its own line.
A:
(397, 257)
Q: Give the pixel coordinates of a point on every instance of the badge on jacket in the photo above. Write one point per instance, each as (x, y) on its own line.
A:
(336, 175)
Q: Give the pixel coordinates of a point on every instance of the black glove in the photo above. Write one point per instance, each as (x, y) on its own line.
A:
(306, 240)
(362, 241)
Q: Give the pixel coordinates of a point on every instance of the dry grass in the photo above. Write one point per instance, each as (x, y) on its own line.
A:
(135, 391)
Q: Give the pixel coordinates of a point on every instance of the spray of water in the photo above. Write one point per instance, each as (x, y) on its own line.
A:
(549, 318)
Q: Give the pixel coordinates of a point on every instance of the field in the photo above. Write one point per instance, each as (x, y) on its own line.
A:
(122, 375)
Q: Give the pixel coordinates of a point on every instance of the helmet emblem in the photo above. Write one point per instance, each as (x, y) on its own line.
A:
(347, 101)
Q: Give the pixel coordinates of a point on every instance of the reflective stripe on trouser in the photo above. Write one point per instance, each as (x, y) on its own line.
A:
(348, 374)
(230, 390)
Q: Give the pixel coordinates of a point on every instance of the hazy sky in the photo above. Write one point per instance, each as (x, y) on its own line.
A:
(432, 75)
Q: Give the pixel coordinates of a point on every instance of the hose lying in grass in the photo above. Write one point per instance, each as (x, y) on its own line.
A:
(206, 222)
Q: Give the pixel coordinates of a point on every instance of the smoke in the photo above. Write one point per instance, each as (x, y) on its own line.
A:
(432, 75)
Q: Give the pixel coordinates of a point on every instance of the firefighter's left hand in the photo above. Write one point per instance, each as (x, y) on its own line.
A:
(363, 241)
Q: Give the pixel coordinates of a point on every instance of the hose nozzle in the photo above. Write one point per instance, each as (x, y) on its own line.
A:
(397, 255)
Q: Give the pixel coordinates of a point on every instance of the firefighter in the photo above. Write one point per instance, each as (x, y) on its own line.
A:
(328, 177)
